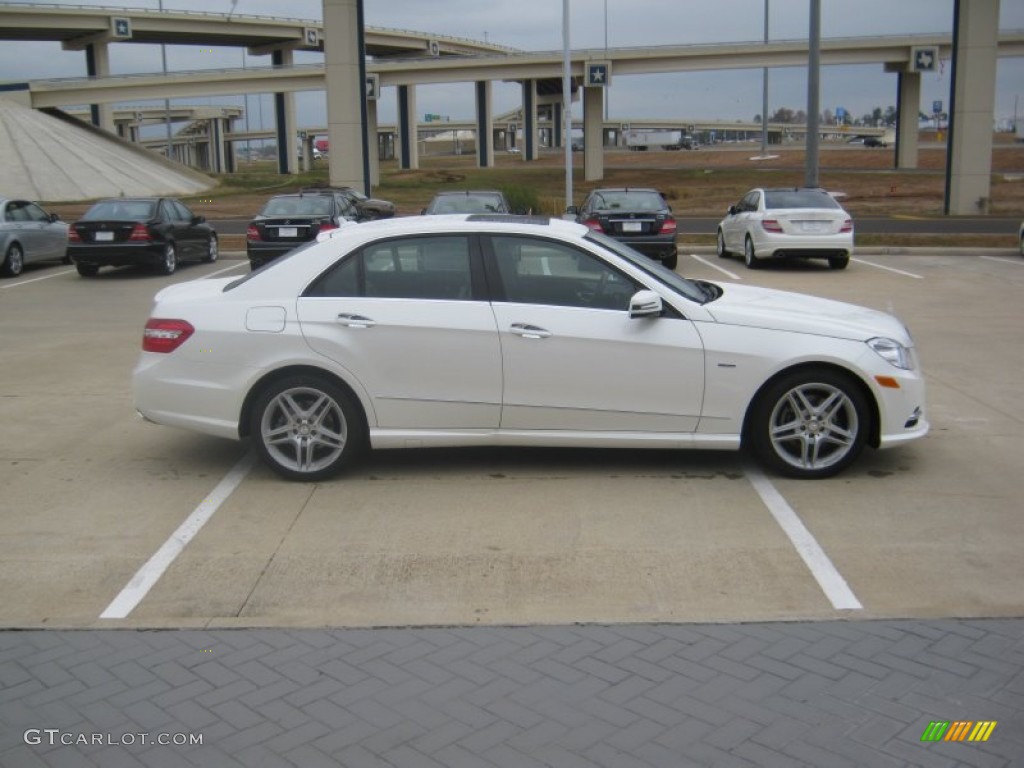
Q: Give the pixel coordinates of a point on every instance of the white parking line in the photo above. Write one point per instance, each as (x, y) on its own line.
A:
(37, 279)
(715, 266)
(148, 575)
(226, 269)
(1017, 262)
(888, 269)
(825, 573)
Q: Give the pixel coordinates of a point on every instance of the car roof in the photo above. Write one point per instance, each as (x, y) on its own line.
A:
(468, 192)
(624, 189)
(453, 223)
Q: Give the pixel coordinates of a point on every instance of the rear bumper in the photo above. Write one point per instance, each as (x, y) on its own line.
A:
(119, 255)
(259, 253)
(775, 246)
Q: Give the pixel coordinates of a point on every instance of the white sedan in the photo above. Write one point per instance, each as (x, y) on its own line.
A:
(473, 330)
(787, 223)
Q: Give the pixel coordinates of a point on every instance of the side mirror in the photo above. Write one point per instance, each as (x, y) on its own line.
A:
(573, 210)
(645, 304)
(198, 219)
(733, 210)
(54, 218)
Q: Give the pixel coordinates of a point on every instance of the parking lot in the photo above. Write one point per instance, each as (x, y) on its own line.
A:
(95, 499)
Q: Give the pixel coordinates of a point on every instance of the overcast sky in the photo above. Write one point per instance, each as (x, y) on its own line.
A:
(537, 25)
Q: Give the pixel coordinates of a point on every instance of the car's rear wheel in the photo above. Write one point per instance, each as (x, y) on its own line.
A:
(14, 261)
(838, 262)
(87, 270)
(750, 255)
(811, 423)
(306, 427)
(169, 262)
(723, 252)
(211, 250)
(672, 261)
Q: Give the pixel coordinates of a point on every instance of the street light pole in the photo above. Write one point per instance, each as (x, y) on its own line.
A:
(813, 96)
(567, 102)
(167, 102)
(764, 95)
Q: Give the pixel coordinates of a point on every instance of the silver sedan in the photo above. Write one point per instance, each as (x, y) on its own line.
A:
(787, 223)
(28, 234)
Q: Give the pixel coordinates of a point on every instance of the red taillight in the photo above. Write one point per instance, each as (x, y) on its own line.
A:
(668, 226)
(593, 224)
(140, 234)
(847, 226)
(73, 236)
(251, 233)
(771, 225)
(165, 335)
(327, 226)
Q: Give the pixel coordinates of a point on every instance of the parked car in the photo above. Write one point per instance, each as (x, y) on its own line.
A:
(641, 218)
(467, 201)
(787, 223)
(156, 232)
(479, 330)
(28, 234)
(287, 221)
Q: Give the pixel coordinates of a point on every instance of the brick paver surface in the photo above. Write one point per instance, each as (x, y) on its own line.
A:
(781, 694)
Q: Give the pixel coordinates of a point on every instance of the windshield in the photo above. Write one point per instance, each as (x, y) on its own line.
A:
(688, 288)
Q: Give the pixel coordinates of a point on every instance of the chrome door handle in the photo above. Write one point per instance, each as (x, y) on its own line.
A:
(355, 321)
(529, 331)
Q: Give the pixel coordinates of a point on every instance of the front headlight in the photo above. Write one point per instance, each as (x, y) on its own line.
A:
(893, 352)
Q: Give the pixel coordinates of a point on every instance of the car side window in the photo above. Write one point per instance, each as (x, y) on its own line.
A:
(535, 271)
(35, 213)
(405, 268)
(181, 212)
(16, 212)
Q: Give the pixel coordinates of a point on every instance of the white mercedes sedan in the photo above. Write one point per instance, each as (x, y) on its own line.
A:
(477, 330)
(786, 224)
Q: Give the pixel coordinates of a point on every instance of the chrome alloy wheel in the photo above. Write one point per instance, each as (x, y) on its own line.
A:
(814, 426)
(303, 429)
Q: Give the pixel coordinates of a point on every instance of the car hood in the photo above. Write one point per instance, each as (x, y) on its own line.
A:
(785, 311)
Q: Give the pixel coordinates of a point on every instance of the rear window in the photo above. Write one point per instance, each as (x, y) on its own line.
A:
(467, 204)
(799, 198)
(628, 200)
(301, 206)
(121, 210)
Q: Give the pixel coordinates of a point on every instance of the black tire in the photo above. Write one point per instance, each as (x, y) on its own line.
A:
(306, 427)
(749, 255)
(838, 262)
(212, 250)
(722, 251)
(14, 261)
(87, 270)
(809, 424)
(169, 261)
(672, 261)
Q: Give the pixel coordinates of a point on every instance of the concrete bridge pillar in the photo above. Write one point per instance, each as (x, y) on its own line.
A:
(972, 102)
(346, 92)
(408, 135)
(97, 64)
(484, 125)
(593, 134)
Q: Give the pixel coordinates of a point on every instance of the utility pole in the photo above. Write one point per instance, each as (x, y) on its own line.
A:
(813, 96)
(764, 94)
(567, 102)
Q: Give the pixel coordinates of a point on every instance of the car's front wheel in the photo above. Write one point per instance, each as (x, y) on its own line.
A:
(306, 427)
(750, 255)
(723, 252)
(811, 423)
(14, 261)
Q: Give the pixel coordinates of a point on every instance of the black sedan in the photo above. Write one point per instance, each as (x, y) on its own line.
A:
(290, 220)
(147, 231)
(640, 218)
